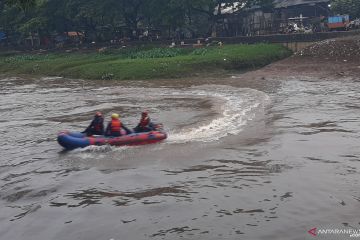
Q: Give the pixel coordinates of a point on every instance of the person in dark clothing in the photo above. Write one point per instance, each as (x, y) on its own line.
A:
(96, 126)
(114, 127)
(145, 124)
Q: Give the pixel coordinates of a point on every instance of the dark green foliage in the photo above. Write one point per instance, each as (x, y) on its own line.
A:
(351, 7)
(23, 58)
(23, 4)
(158, 53)
(105, 20)
(200, 51)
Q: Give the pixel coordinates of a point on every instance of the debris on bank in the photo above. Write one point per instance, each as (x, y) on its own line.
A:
(339, 49)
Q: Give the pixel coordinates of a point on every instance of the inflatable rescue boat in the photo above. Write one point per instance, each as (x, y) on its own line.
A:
(73, 140)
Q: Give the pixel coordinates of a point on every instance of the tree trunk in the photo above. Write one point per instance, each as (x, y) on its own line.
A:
(32, 40)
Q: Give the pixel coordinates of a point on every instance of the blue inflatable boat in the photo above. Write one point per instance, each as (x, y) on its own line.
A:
(73, 140)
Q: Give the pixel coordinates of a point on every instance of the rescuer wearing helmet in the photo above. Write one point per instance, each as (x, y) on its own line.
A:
(114, 127)
(145, 124)
(96, 126)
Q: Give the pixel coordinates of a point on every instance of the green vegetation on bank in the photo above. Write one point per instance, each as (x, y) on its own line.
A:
(135, 63)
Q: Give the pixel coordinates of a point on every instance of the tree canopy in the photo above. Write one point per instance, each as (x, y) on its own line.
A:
(351, 7)
(101, 20)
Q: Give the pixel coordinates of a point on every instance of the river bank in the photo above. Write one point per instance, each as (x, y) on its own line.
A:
(140, 63)
(332, 59)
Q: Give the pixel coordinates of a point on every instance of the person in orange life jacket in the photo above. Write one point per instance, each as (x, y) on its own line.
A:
(145, 124)
(96, 126)
(114, 127)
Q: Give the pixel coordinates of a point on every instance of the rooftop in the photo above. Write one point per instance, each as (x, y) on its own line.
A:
(236, 6)
(289, 3)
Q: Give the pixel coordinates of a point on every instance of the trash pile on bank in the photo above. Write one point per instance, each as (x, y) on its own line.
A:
(340, 49)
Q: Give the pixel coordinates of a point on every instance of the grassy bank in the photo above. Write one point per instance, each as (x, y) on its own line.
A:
(143, 63)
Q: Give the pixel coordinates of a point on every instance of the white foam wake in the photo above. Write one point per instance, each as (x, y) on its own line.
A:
(240, 106)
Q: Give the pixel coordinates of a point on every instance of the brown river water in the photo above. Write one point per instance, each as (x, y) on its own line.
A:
(266, 159)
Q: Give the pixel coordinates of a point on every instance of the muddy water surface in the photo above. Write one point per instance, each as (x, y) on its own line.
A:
(267, 159)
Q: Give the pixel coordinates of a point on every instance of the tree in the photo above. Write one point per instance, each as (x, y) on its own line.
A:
(100, 20)
(214, 9)
(23, 4)
(351, 7)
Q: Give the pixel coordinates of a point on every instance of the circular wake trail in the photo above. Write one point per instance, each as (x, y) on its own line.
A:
(239, 106)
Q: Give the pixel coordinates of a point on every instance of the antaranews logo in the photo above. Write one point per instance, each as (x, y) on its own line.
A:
(351, 232)
(312, 232)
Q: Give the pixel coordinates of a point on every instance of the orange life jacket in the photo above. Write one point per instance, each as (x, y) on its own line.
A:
(144, 121)
(115, 126)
